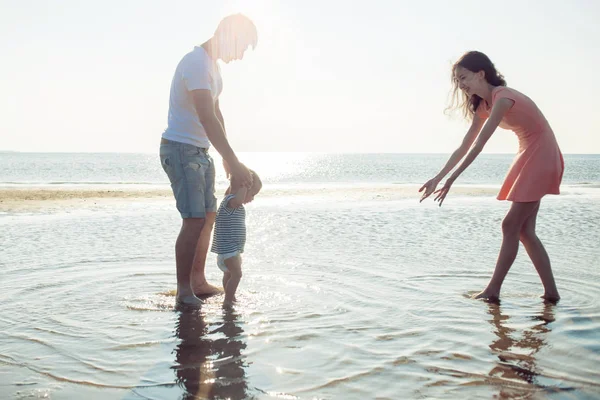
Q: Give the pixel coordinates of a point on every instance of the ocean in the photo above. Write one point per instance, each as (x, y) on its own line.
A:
(352, 289)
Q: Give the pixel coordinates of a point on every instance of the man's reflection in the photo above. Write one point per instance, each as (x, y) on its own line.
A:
(517, 355)
(208, 360)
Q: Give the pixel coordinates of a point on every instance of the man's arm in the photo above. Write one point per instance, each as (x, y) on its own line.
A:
(220, 118)
(205, 107)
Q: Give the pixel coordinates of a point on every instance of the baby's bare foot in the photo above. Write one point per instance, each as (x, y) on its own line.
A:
(229, 302)
(489, 296)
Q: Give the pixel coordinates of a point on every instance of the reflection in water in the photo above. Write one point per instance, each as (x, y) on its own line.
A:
(517, 351)
(209, 363)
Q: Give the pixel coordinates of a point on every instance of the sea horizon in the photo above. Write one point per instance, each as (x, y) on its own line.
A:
(283, 151)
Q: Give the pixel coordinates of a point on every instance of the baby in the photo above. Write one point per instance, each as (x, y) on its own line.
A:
(230, 233)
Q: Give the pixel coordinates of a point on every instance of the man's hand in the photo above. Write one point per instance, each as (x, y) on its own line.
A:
(227, 169)
(241, 173)
(205, 108)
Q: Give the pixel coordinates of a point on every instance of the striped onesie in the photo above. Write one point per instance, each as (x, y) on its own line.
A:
(230, 228)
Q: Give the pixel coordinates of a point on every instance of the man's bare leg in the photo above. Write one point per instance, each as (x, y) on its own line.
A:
(185, 249)
(199, 284)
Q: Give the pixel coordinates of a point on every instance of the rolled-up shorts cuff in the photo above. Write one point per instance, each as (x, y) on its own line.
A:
(197, 214)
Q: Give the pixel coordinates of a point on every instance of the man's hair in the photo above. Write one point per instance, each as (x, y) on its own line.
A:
(238, 29)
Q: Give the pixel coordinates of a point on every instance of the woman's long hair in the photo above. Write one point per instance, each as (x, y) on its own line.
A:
(474, 61)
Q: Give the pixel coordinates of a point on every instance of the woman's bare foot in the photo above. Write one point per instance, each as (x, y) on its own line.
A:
(551, 297)
(206, 289)
(489, 296)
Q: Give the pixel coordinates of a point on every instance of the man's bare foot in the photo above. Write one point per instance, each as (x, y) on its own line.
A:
(187, 301)
(487, 296)
(206, 289)
(551, 297)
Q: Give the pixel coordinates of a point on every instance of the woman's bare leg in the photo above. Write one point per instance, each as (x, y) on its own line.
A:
(511, 231)
(539, 257)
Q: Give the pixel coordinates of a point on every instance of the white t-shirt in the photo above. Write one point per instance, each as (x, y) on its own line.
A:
(196, 70)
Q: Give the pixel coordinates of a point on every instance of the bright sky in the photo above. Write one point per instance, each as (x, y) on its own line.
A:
(327, 75)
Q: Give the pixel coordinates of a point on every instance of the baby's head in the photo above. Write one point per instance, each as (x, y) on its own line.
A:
(252, 191)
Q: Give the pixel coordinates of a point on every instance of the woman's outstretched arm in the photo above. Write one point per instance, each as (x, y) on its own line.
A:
(499, 110)
(456, 156)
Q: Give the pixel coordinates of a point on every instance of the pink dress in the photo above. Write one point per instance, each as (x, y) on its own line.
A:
(538, 168)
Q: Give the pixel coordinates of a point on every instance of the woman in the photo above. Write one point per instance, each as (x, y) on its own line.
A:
(536, 170)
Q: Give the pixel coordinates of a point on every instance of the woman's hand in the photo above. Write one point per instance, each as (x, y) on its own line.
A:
(441, 193)
(429, 188)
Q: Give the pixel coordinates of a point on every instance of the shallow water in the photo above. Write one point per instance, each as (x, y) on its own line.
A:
(346, 294)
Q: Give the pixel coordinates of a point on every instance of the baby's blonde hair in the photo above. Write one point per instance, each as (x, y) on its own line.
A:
(256, 183)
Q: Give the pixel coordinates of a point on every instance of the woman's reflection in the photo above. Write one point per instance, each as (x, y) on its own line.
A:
(517, 350)
(208, 362)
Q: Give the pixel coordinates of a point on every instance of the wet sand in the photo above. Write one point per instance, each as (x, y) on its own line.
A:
(32, 198)
(35, 198)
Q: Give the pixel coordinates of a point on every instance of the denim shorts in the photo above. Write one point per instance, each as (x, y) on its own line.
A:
(191, 171)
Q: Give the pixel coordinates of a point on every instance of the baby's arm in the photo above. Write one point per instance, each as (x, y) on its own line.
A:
(239, 198)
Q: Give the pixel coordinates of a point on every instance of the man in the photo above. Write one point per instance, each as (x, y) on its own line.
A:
(195, 122)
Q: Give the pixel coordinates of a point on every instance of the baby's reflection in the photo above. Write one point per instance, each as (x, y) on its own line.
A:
(208, 362)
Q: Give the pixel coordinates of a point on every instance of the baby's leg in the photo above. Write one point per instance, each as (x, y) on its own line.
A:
(226, 276)
(234, 265)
